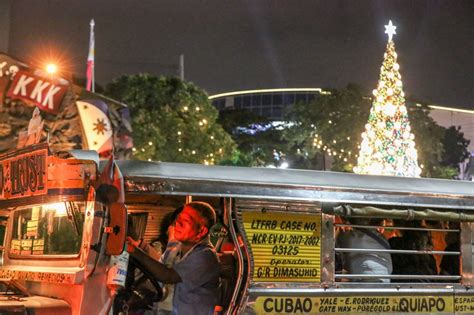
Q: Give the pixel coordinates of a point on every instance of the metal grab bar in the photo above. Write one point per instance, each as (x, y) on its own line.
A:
(418, 277)
(394, 228)
(394, 251)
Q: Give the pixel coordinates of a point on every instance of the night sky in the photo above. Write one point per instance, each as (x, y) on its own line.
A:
(235, 45)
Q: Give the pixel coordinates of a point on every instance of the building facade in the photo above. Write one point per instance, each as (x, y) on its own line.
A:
(269, 103)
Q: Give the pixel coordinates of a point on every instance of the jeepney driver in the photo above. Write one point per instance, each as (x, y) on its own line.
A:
(196, 270)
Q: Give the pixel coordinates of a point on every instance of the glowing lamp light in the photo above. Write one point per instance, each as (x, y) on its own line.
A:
(51, 68)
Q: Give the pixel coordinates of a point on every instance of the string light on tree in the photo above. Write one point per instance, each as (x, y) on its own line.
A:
(388, 146)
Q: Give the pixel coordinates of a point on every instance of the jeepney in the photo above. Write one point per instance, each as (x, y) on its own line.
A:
(283, 226)
(59, 234)
(63, 234)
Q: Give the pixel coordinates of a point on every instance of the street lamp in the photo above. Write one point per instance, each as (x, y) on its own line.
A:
(51, 68)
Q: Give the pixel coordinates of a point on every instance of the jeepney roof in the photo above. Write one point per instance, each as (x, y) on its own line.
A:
(197, 179)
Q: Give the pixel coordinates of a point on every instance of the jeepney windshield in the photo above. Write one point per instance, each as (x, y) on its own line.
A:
(49, 229)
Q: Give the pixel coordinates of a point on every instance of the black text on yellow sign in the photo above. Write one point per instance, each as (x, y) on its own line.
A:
(355, 305)
(285, 247)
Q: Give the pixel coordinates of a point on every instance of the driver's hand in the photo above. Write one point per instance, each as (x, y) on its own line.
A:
(171, 233)
(132, 244)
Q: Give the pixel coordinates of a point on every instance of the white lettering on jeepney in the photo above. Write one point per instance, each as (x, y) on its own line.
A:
(37, 92)
(49, 96)
(21, 85)
(2, 65)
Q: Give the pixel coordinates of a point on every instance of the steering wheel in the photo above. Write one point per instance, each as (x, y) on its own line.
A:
(141, 289)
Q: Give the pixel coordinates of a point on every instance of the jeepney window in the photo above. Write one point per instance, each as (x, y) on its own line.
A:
(50, 229)
(385, 250)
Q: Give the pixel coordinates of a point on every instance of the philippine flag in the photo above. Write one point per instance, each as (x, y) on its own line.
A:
(96, 126)
(110, 182)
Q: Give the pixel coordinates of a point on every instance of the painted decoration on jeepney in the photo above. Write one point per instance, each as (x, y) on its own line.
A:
(40, 276)
(285, 246)
(355, 305)
(24, 175)
(47, 94)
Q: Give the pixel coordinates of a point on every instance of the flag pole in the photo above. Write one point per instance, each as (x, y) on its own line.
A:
(92, 24)
(90, 85)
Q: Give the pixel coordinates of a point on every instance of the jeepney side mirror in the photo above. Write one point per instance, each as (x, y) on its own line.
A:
(117, 229)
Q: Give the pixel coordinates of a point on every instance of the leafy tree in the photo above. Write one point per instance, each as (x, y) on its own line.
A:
(172, 120)
(328, 128)
(428, 139)
(455, 147)
(259, 141)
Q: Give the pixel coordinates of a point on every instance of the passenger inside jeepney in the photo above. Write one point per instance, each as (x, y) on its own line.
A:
(450, 264)
(364, 262)
(413, 239)
(196, 271)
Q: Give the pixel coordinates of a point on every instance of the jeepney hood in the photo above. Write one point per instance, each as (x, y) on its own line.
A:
(33, 304)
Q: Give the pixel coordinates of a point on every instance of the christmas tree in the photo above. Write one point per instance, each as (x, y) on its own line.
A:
(388, 146)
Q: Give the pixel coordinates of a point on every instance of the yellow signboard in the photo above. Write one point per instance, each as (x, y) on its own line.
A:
(285, 246)
(355, 305)
(464, 304)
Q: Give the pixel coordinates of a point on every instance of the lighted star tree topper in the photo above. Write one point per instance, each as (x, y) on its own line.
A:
(388, 146)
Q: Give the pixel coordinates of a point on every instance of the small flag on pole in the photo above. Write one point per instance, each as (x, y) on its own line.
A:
(90, 86)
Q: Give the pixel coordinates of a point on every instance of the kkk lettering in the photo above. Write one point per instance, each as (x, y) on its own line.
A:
(24, 175)
(44, 93)
(285, 247)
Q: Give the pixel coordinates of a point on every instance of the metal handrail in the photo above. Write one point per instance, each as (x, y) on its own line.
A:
(417, 277)
(394, 251)
(395, 228)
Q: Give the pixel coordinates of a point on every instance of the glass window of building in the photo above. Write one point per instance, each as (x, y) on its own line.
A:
(277, 99)
(238, 102)
(267, 111)
(277, 112)
(256, 100)
(300, 97)
(289, 99)
(246, 101)
(266, 99)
